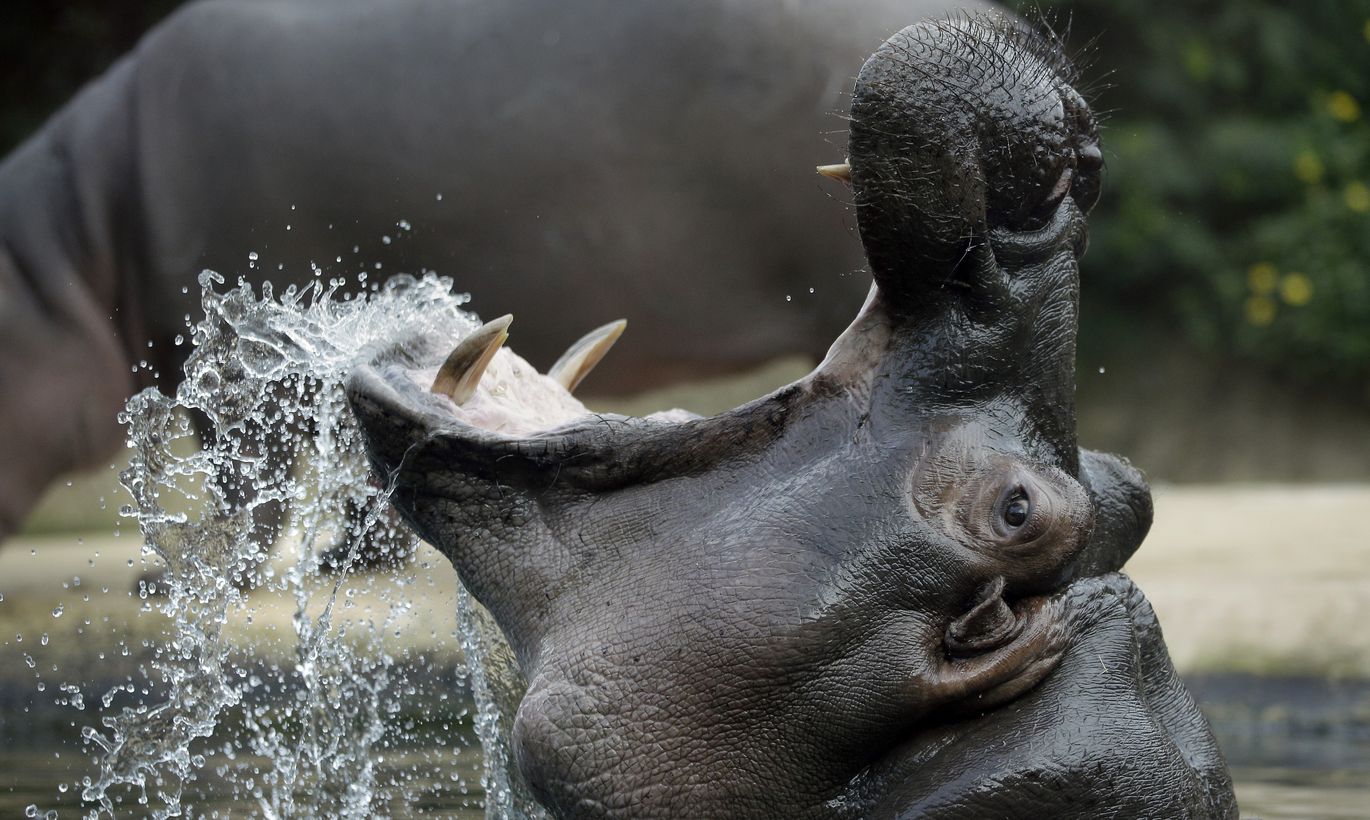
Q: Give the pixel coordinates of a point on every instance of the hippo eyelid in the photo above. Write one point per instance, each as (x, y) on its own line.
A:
(1039, 518)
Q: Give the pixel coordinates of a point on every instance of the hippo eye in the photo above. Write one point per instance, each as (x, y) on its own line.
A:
(1017, 509)
(1021, 514)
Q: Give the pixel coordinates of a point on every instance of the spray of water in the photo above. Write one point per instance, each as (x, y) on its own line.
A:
(277, 447)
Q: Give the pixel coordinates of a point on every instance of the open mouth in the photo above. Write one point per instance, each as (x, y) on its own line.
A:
(484, 385)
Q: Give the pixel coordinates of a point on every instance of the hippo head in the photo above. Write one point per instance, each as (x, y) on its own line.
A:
(765, 612)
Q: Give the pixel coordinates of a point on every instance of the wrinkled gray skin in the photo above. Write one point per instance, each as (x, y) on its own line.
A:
(595, 158)
(886, 590)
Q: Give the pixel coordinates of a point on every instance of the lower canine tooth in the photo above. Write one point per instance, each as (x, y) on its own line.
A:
(461, 372)
(580, 358)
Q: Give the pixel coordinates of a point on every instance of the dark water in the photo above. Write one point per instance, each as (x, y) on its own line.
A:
(1299, 748)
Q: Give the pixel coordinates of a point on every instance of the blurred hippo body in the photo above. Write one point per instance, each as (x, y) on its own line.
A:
(572, 160)
(888, 589)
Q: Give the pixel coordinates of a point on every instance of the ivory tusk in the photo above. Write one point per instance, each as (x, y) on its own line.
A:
(461, 372)
(580, 358)
(841, 171)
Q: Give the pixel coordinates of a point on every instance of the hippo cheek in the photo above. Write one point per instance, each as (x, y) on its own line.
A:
(734, 704)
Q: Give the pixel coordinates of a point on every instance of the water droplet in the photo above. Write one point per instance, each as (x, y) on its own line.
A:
(252, 256)
(788, 297)
(57, 611)
(274, 361)
(1101, 370)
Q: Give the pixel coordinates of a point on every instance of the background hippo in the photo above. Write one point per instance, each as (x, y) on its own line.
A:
(885, 590)
(574, 161)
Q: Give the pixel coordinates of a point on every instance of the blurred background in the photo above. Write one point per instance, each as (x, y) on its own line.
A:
(1225, 346)
(1226, 298)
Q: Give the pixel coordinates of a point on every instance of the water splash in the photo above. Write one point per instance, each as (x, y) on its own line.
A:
(263, 391)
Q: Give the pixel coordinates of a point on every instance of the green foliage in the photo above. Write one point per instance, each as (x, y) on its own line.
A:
(1236, 209)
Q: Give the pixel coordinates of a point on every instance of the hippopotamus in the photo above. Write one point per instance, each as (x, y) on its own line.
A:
(656, 156)
(889, 589)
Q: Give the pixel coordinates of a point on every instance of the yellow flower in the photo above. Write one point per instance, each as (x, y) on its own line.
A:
(1260, 311)
(1357, 197)
(1308, 168)
(1296, 289)
(1343, 106)
(1262, 278)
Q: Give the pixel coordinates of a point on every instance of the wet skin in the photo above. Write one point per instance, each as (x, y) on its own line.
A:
(887, 589)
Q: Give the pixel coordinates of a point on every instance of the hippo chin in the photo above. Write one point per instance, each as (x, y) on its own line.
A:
(888, 589)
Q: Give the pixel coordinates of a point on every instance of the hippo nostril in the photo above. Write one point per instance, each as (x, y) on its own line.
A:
(988, 625)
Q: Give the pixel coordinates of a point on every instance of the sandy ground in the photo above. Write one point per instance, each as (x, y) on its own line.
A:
(1261, 579)
(1269, 579)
